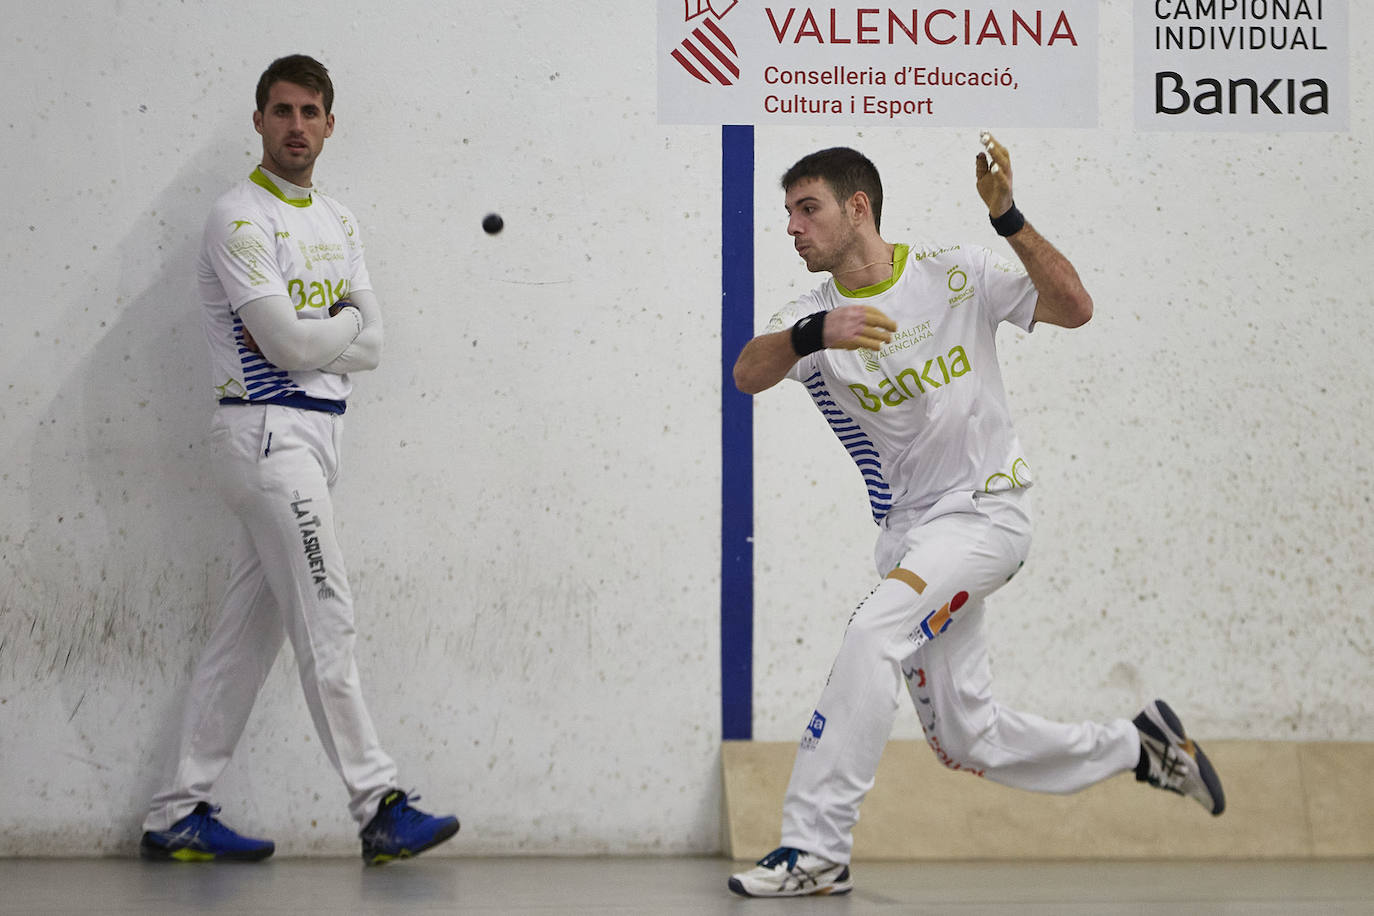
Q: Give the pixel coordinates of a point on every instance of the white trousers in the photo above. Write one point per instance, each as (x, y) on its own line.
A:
(276, 467)
(924, 624)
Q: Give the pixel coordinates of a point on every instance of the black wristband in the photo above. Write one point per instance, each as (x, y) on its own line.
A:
(808, 335)
(1008, 223)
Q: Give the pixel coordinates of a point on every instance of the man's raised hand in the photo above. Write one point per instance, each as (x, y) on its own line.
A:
(994, 175)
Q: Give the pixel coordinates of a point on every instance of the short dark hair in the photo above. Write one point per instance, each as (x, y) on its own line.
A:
(846, 171)
(300, 69)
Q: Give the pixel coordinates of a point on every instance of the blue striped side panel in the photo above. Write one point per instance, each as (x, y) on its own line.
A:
(857, 443)
(261, 379)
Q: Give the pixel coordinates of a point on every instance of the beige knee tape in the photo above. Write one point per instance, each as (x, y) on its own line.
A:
(910, 578)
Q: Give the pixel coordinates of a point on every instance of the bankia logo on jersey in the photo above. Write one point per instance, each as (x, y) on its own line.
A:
(850, 63)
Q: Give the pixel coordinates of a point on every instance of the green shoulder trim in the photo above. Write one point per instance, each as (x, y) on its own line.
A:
(899, 253)
(262, 181)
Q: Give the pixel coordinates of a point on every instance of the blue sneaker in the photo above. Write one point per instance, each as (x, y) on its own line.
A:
(200, 837)
(399, 830)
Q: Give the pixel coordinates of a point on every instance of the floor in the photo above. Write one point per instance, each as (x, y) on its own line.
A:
(679, 886)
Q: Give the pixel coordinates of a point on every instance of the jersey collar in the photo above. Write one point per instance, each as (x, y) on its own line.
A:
(899, 253)
(264, 181)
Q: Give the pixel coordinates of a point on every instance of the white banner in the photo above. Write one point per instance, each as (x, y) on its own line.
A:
(1001, 64)
(1276, 65)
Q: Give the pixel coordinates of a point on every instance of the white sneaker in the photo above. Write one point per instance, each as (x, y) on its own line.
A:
(1173, 761)
(787, 872)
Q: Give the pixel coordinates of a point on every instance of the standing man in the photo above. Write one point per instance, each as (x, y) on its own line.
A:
(898, 352)
(289, 312)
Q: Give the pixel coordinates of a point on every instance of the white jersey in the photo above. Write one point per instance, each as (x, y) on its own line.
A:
(926, 416)
(267, 237)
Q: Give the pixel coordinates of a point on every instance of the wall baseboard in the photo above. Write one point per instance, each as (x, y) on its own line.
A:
(1283, 800)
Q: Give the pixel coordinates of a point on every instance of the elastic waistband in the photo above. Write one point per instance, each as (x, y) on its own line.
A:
(299, 401)
(897, 518)
(949, 504)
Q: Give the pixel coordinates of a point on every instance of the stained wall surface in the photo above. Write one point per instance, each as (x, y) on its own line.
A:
(530, 494)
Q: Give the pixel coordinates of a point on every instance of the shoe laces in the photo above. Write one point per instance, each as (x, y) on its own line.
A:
(403, 811)
(208, 824)
(787, 854)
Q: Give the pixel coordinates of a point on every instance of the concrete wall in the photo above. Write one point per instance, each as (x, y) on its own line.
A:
(530, 495)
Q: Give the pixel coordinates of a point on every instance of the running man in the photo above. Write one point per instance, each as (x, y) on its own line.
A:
(898, 352)
(290, 314)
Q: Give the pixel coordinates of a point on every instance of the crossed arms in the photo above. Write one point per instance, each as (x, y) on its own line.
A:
(348, 341)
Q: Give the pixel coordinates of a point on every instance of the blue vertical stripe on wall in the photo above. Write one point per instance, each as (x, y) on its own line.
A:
(736, 436)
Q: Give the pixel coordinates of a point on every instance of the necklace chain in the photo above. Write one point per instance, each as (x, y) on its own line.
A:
(854, 270)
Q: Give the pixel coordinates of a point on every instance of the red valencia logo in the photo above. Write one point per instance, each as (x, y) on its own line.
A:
(708, 54)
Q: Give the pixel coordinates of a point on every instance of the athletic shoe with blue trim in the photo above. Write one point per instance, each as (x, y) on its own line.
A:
(788, 872)
(399, 830)
(1170, 760)
(200, 837)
